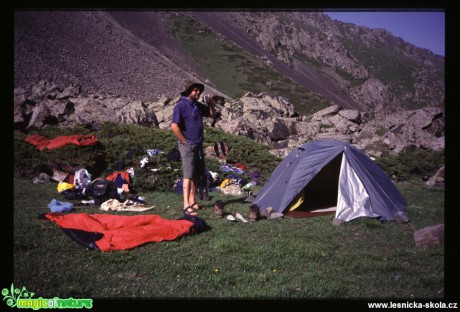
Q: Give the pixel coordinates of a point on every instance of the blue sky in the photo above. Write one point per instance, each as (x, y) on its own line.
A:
(424, 29)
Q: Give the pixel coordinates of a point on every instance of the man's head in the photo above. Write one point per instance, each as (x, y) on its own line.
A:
(194, 87)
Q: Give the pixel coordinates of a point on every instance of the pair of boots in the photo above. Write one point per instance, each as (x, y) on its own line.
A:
(219, 209)
(254, 213)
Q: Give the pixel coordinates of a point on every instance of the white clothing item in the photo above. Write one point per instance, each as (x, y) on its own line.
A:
(230, 218)
(239, 216)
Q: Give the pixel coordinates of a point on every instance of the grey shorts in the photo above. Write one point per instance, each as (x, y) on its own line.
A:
(192, 157)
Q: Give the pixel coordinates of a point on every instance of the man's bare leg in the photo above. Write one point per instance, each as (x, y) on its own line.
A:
(191, 195)
(186, 187)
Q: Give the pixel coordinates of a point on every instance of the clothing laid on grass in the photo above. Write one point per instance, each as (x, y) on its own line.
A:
(128, 205)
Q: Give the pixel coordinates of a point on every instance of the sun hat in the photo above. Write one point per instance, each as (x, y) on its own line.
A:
(192, 86)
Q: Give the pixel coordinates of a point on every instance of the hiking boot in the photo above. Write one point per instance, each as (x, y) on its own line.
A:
(253, 213)
(219, 209)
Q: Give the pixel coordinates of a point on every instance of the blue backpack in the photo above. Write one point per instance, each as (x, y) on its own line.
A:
(177, 187)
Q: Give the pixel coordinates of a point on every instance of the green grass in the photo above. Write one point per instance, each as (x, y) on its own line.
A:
(269, 259)
(284, 258)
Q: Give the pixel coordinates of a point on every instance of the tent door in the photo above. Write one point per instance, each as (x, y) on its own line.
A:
(353, 200)
(320, 194)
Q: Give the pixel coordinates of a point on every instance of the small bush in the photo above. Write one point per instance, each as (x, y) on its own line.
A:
(412, 164)
(29, 161)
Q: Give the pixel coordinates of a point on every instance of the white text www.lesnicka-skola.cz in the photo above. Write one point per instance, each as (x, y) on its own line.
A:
(413, 305)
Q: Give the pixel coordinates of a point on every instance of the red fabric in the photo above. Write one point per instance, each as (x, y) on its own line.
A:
(125, 176)
(41, 142)
(123, 232)
(38, 140)
(241, 166)
(77, 139)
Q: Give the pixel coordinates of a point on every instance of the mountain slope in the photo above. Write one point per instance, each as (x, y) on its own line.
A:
(307, 76)
(305, 56)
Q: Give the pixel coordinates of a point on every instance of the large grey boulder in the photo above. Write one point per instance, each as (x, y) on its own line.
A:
(429, 236)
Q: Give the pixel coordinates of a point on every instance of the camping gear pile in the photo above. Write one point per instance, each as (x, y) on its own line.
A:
(80, 186)
(107, 232)
(233, 179)
(319, 177)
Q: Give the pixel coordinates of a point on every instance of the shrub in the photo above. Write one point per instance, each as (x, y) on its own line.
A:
(412, 164)
(29, 161)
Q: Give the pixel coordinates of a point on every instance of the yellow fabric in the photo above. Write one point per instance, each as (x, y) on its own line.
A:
(297, 201)
(62, 186)
(226, 183)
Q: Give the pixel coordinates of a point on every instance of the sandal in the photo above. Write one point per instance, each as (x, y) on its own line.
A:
(189, 211)
(198, 207)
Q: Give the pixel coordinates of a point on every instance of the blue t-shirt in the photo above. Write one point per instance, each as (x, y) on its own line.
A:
(189, 116)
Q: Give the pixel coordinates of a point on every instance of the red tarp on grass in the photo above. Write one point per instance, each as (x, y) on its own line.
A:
(120, 232)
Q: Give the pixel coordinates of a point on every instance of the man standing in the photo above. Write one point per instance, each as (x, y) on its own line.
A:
(187, 126)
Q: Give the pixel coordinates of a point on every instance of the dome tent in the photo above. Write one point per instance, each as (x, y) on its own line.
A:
(327, 176)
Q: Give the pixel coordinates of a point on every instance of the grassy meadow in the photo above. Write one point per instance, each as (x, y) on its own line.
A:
(306, 259)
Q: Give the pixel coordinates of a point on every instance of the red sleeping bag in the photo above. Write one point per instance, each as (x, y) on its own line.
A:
(42, 142)
(120, 232)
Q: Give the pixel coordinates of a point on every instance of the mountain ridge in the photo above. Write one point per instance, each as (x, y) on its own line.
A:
(89, 67)
(148, 53)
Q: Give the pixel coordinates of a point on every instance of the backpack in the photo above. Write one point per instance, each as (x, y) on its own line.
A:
(174, 155)
(82, 179)
(177, 186)
(121, 179)
(103, 190)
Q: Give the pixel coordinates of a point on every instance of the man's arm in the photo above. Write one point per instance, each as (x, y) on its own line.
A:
(178, 133)
(210, 106)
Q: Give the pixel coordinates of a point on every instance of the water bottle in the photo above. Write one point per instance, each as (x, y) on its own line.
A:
(249, 185)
